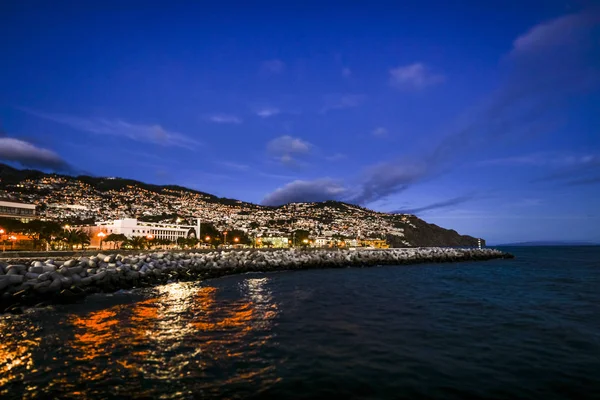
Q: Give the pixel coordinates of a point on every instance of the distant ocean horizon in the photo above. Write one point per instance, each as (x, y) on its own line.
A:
(544, 243)
(525, 328)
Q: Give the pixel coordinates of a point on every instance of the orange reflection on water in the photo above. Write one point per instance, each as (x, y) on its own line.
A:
(97, 333)
(16, 352)
(177, 334)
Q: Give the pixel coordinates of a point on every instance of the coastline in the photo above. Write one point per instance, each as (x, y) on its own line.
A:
(32, 281)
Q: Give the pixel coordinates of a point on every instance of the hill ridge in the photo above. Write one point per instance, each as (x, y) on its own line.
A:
(88, 199)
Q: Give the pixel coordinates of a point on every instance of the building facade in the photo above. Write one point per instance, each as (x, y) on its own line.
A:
(273, 241)
(17, 210)
(131, 227)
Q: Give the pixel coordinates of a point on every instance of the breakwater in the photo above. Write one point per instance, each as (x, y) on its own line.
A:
(27, 282)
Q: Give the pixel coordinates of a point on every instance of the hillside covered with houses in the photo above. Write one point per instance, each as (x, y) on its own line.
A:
(85, 200)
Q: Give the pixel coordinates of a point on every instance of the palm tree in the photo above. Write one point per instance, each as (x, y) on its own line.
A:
(182, 241)
(83, 238)
(137, 242)
(165, 242)
(74, 237)
(112, 238)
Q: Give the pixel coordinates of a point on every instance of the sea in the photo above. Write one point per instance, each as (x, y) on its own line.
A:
(526, 328)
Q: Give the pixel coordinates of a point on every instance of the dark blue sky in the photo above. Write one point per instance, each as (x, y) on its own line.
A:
(479, 116)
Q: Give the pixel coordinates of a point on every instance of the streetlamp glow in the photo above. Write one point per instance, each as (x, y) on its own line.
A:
(2, 238)
(101, 236)
(236, 239)
(13, 239)
(207, 238)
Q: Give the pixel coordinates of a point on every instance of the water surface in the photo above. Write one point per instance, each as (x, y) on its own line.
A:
(523, 328)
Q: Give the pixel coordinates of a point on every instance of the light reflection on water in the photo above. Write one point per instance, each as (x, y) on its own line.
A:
(504, 329)
(186, 335)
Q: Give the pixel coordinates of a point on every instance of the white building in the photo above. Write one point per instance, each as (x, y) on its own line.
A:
(275, 241)
(322, 241)
(17, 210)
(131, 227)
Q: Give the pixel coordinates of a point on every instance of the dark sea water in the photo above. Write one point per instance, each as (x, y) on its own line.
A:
(527, 328)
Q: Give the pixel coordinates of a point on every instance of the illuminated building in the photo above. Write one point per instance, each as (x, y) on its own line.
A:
(22, 211)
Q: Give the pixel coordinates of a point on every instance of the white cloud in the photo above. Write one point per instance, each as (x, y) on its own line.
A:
(379, 132)
(414, 76)
(267, 112)
(542, 159)
(286, 147)
(29, 155)
(561, 31)
(306, 191)
(274, 66)
(117, 127)
(341, 101)
(224, 119)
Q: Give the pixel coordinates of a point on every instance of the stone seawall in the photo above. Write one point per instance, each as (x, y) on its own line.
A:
(30, 282)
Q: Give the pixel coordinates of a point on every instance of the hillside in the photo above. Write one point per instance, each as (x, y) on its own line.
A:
(89, 199)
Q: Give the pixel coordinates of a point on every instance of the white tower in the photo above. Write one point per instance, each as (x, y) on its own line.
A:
(198, 228)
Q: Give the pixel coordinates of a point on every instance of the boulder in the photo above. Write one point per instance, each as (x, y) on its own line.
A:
(16, 269)
(37, 269)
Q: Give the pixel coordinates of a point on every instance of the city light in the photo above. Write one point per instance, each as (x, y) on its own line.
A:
(3, 241)
(236, 239)
(207, 238)
(101, 236)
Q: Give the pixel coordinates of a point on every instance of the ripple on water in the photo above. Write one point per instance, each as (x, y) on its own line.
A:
(506, 329)
(184, 337)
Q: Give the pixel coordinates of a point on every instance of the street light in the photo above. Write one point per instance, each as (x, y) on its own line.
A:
(224, 238)
(236, 239)
(66, 227)
(149, 237)
(13, 239)
(101, 236)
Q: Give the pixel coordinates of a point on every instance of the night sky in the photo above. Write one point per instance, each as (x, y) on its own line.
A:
(479, 116)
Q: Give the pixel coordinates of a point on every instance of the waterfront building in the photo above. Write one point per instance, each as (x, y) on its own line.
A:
(131, 227)
(322, 242)
(22, 211)
(375, 243)
(273, 241)
(351, 242)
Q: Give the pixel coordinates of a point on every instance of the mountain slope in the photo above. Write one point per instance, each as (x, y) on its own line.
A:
(89, 199)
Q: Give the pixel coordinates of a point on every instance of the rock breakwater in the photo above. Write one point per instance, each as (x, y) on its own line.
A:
(31, 281)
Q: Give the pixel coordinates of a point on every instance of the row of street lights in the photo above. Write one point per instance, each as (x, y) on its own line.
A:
(12, 238)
